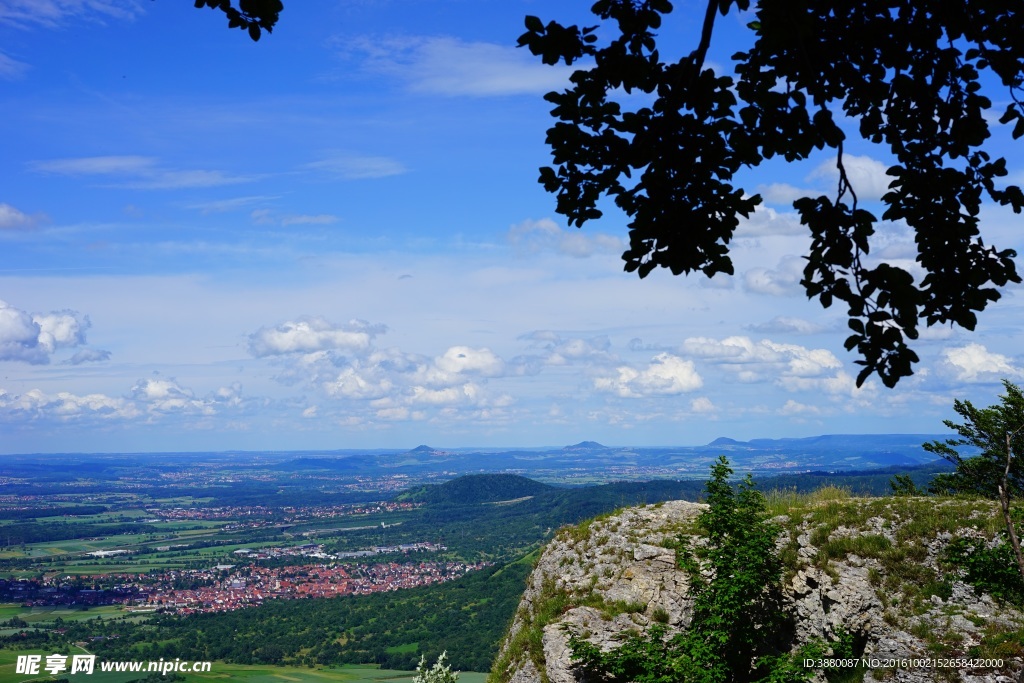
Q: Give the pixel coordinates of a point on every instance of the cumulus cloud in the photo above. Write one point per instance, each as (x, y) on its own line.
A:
(557, 350)
(783, 193)
(532, 237)
(62, 329)
(795, 408)
(162, 396)
(13, 219)
(703, 405)
(767, 221)
(665, 375)
(89, 356)
(152, 399)
(783, 280)
(19, 336)
(463, 359)
(756, 361)
(975, 363)
(360, 382)
(312, 334)
(866, 175)
(35, 405)
(33, 338)
(452, 67)
(394, 381)
(840, 385)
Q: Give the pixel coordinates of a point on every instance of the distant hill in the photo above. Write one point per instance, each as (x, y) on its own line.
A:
(424, 449)
(473, 489)
(586, 446)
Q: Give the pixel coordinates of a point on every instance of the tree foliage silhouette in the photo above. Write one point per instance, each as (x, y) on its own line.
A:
(909, 73)
(252, 16)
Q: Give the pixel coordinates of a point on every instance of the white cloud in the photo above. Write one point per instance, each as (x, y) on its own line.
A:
(102, 165)
(787, 324)
(783, 193)
(159, 396)
(762, 360)
(13, 219)
(560, 351)
(975, 363)
(452, 67)
(767, 221)
(63, 329)
(462, 359)
(35, 405)
(703, 405)
(466, 393)
(356, 167)
(783, 280)
(269, 217)
(89, 356)
(312, 334)
(11, 69)
(532, 237)
(841, 385)
(308, 219)
(174, 180)
(665, 375)
(792, 408)
(51, 13)
(233, 204)
(393, 380)
(866, 176)
(138, 172)
(19, 336)
(359, 383)
(34, 338)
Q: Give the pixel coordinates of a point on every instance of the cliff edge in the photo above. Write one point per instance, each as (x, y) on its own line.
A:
(872, 571)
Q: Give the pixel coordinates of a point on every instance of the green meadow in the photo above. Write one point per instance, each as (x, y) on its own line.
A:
(228, 673)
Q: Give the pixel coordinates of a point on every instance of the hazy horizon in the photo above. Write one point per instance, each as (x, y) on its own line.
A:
(335, 237)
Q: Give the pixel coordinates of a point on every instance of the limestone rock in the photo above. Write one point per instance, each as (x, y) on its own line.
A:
(618, 575)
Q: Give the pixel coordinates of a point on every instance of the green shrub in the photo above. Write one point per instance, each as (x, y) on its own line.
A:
(989, 570)
(736, 615)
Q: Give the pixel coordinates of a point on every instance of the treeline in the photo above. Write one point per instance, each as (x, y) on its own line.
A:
(504, 530)
(467, 617)
(860, 483)
(53, 511)
(35, 532)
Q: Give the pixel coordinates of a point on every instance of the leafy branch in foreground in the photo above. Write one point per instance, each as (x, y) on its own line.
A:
(917, 79)
(253, 16)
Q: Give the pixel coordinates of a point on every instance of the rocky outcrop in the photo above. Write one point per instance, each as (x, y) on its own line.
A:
(856, 575)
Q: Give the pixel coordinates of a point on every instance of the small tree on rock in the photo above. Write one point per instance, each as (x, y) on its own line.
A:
(998, 431)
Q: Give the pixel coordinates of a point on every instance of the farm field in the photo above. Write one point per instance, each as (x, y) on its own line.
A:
(232, 673)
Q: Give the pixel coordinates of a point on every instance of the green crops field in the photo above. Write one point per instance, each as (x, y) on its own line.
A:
(229, 673)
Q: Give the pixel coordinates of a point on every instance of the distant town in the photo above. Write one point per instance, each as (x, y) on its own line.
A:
(226, 587)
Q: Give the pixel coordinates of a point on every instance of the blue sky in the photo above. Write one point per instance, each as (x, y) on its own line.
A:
(334, 238)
